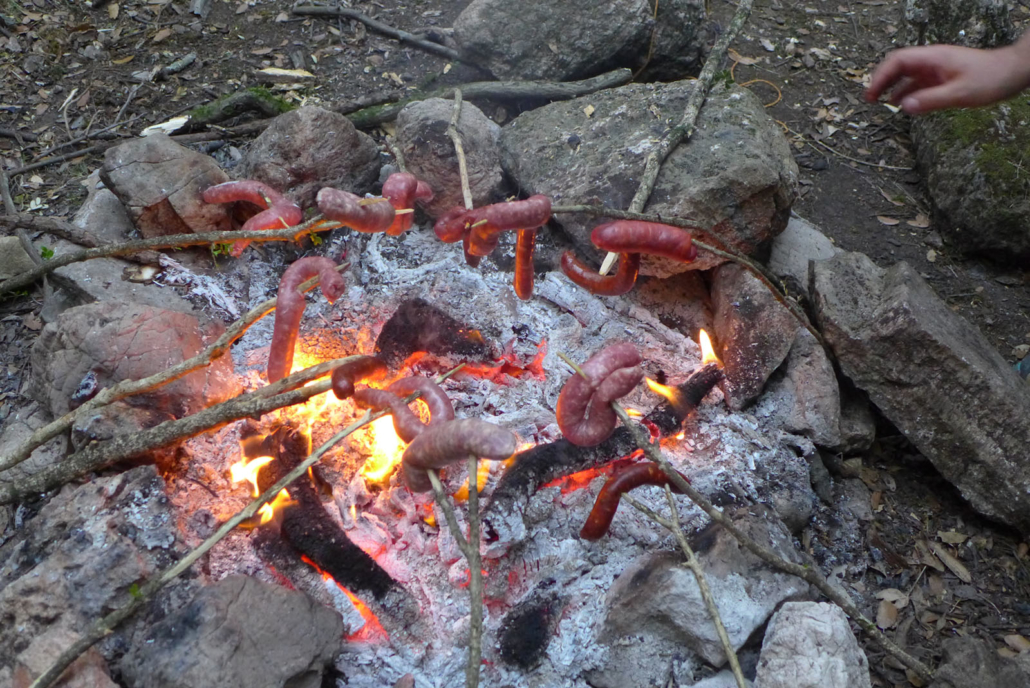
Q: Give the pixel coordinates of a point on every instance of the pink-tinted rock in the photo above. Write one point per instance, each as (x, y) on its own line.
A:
(118, 341)
(159, 182)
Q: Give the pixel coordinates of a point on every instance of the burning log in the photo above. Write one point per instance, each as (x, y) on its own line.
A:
(417, 326)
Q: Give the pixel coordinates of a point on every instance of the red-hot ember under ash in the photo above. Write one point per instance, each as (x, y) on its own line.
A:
(509, 365)
(372, 631)
(582, 479)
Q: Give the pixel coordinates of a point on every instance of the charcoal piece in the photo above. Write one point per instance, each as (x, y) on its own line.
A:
(310, 530)
(527, 629)
(418, 326)
(547, 462)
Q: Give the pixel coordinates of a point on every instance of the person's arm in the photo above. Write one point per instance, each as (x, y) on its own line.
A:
(934, 77)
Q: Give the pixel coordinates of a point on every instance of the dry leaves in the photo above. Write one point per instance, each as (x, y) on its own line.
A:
(920, 221)
(887, 220)
(953, 564)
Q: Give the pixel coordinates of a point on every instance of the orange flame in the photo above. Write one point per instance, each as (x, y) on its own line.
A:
(387, 450)
(670, 393)
(707, 352)
(371, 630)
(244, 470)
(482, 473)
(272, 510)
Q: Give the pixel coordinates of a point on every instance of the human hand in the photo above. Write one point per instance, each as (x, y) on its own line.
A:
(934, 77)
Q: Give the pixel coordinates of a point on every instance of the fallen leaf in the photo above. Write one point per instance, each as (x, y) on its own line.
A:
(889, 221)
(768, 45)
(394, 77)
(1017, 642)
(242, 8)
(920, 221)
(275, 72)
(927, 558)
(589, 110)
(886, 615)
(261, 51)
(890, 199)
(1022, 550)
(892, 108)
(35, 180)
(112, 10)
(931, 256)
(447, 68)
(123, 60)
(737, 57)
(32, 322)
(161, 35)
(951, 537)
(281, 17)
(168, 127)
(898, 598)
(953, 564)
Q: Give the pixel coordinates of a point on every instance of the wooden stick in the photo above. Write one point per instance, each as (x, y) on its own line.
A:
(127, 388)
(459, 150)
(685, 129)
(808, 574)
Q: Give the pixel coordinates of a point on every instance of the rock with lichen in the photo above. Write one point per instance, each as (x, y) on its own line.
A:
(972, 23)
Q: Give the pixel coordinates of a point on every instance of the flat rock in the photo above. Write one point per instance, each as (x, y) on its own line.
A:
(935, 376)
(753, 332)
(309, 148)
(429, 152)
(237, 633)
(88, 671)
(13, 259)
(736, 178)
(657, 596)
(536, 39)
(118, 341)
(972, 663)
(810, 645)
(792, 250)
(807, 395)
(159, 182)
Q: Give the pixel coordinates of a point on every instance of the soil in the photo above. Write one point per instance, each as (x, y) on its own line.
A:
(67, 69)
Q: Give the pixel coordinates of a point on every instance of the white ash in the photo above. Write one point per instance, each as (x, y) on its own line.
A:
(202, 286)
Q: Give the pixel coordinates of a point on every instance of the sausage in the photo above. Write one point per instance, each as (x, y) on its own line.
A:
(524, 247)
(405, 422)
(289, 309)
(454, 441)
(284, 213)
(617, 284)
(621, 482)
(347, 208)
(403, 189)
(439, 404)
(584, 411)
(483, 239)
(450, 227)
(531, 213)
(470, 259)
(361, 369)
(634, 236)
(255, 192)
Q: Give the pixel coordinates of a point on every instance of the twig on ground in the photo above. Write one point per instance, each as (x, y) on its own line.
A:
(61, 158)
(685, 129)
(127, 388)
(810, 142)
(20, 137)
(226, 107)
(810, 575)
(83, 137)
(694, 565)
(384, 29)
(312, 226)
(63, 229)
(5, 192)
(495, 90)
(125, 105)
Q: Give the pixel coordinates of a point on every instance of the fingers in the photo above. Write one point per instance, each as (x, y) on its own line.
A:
(950, 94)
(889, 72)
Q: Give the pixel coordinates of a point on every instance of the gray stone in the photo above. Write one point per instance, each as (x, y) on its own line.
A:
(88, 671)
(13, 259)
(680, 40)
(753, 332)
(115, 342)
(159, 182)
(792, 250)
(972, 663)
(724, 679)
(658, 597)
(970, 160)
(736, 178)
(237, 633)
(17, 428)
(429, 152)
(857, 422)
(811, 385)
(935, 376)
(972, 23)
(810, 645)
(80, 555)
(310, 148)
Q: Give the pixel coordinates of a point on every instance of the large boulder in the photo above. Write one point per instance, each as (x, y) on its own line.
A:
(238, 633)
(736, 172)
(430, 155)
(972, 160)
(13, 259)
(308, 148)
(538, 39)
(972, 23)
(810, 645)
(159, 182)
(935, 376)
(658, 596)
(972, 663)
(99, 344)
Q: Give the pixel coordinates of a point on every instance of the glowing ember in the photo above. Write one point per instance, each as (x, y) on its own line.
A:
(482, 473)
(670, 393)
(371, 631)
(244, 470)
(707, 352)
(634, 413)
(269, 512)
(387, 450)
(582, 479)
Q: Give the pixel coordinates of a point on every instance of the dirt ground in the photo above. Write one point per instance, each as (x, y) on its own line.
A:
(66, 69)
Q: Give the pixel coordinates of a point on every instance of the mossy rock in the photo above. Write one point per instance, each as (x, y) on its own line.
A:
(972, 23)
(977, 168)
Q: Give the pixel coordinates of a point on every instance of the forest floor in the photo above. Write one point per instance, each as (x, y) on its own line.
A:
(67, 69)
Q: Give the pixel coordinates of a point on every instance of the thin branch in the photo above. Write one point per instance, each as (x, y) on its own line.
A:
(810, 575)
(63, 229)
(314, 225)
(146, 592)
(5, 192)
(96, 148)
(475, 580)
(127, 388)
(685, 129)
(459, 149)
